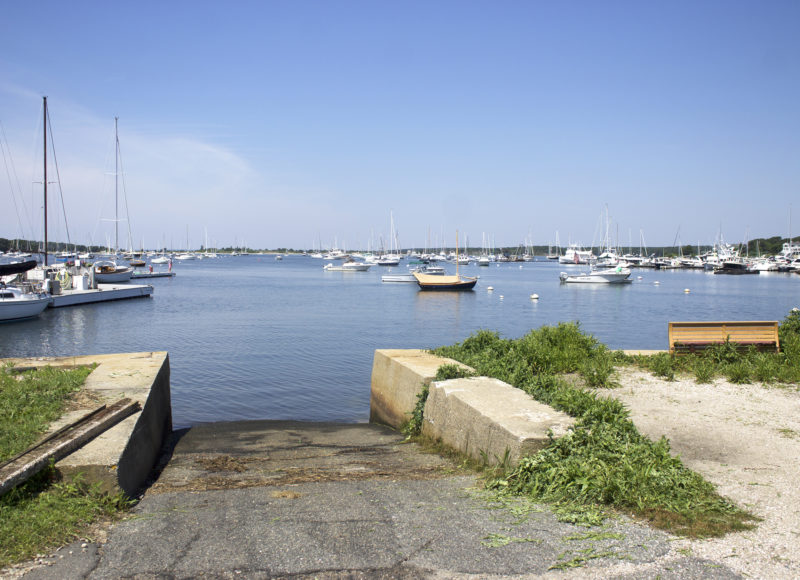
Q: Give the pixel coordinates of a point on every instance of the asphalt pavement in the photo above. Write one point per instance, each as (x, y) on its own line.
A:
(276, 499)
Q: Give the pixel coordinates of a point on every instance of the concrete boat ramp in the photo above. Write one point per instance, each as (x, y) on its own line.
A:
(282, 499)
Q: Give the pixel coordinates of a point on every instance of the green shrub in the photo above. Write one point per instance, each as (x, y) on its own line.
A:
(738, 372)
(703, 369)
(663, 365)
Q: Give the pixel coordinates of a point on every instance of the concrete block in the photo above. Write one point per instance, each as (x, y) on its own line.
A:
(121, 458)
(398, 376)
(481, 414)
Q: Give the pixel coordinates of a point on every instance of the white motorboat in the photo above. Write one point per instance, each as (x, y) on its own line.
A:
(575, 254)
(428, 269)
(111, 273)
(351, 266)
(15, 304)
(618, 275)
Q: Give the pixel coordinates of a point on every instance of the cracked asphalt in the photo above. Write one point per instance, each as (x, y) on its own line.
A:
(277, 499)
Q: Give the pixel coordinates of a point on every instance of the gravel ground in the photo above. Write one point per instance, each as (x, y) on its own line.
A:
(746, 440)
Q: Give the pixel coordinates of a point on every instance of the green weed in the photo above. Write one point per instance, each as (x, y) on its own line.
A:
(603, 462)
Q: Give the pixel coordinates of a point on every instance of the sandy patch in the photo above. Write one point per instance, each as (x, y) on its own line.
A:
(746, 440)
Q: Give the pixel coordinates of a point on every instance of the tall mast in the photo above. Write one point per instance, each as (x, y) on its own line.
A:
(44, 125)
(116, 187)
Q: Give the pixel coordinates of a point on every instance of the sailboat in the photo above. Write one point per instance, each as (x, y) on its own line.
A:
(20, 303)
(451, 282)
(108, 271)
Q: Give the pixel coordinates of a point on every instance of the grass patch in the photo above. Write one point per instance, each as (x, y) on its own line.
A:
(603, 462)
(30, 401)
(43, 512)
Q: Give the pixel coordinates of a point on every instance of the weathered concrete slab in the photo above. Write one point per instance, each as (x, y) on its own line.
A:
(481, 415)
(398, 376)
(122, 457)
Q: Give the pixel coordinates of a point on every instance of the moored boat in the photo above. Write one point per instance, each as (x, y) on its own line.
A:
(618, 275)
(444, 282)
(16, 304)
(111, 273)
(349, 266)
(427, 281)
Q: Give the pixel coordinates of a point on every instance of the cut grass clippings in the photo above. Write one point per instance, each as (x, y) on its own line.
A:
(603, 462)
(43, 512)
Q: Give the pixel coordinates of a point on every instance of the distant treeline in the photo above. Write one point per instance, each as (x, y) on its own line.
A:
(758, 246)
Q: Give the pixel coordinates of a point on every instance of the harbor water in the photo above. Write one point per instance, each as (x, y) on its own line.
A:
(251, 337)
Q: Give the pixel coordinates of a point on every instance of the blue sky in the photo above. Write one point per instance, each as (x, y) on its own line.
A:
(284, 124)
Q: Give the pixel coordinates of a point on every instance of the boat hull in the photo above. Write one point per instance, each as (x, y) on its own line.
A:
(615, 276)
(439, 282)
(22, 308)
(119, 276)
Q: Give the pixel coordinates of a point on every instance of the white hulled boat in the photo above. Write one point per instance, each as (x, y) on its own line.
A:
(618, 275)
(17, 304)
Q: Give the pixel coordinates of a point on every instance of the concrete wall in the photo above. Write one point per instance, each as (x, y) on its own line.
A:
(477, 416)
(486, 418)
(398, 376)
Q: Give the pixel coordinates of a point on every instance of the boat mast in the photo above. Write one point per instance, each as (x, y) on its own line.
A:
(116, 187)
(456, 253)
(44, 125)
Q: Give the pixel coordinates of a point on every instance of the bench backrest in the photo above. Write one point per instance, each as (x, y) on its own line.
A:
(696, 335)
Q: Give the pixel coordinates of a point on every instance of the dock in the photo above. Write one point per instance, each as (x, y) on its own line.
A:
(137, 275)
(103, 293)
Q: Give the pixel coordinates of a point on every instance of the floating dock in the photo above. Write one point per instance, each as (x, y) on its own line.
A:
(137, 275)
(103, 293)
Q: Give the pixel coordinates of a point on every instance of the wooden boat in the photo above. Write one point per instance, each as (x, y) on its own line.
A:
(111, 273)
(439, 282)
(444, 282)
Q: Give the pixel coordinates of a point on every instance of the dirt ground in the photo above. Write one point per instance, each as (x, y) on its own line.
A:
(746, 440)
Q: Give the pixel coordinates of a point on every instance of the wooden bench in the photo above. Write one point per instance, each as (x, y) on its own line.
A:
(685, 337)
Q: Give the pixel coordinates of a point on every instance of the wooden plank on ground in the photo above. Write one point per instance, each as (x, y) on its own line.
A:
(63, 442)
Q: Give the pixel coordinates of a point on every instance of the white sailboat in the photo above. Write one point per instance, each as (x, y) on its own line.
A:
(110, 272)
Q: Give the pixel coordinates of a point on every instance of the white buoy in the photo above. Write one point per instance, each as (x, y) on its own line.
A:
(520, 267)
(686, 290)
(534, 297)
(656, 282)
(638, 277)
(501, 297)
(490, 289)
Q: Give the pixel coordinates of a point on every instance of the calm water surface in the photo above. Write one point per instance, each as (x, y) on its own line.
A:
(254, 338)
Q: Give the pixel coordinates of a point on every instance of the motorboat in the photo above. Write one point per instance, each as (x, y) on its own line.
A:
(618, 275)
(17, 304)
(388, 260)
(106, 272)
(575, 254)
(349, 266)
(734, 266)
